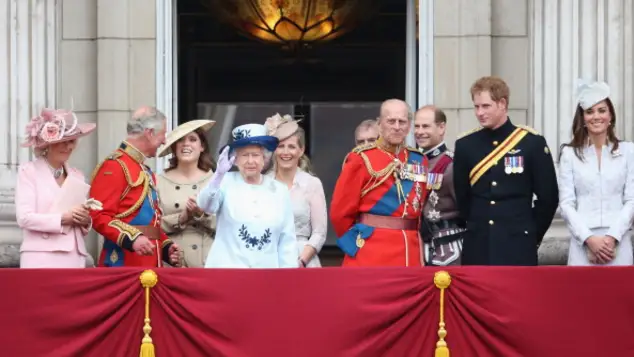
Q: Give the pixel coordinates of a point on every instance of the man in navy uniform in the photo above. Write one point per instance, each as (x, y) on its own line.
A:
(498, 170)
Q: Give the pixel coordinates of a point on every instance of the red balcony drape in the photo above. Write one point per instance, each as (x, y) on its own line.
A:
(489, 312)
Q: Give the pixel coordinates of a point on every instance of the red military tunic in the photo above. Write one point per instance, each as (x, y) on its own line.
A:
(376, 206)
(125, 186)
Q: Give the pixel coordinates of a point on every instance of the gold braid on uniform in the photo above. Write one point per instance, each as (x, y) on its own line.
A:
(377, 177)
(143, 179)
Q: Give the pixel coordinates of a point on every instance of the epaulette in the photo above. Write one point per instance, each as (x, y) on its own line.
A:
(113, 156)
(449, 153)
(529, 129)
(466, 133)
(413, 149)
(363, 147)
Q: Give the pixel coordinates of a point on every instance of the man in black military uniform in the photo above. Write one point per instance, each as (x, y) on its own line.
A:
(498, 169)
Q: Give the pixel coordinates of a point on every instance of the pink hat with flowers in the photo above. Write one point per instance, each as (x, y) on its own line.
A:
(55, 126)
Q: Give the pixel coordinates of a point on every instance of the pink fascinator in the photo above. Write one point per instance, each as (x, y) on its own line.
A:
(54, 126)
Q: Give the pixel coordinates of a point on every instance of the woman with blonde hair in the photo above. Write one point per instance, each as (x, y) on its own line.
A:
(596, 182)
(292, 167)
(52, 239)
(189, 170)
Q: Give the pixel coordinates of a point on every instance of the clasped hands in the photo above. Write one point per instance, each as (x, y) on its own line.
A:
(77, 216)
(191, 210)
(602, 249)
(143, 246)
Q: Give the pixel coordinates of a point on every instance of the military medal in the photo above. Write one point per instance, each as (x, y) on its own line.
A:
(508, 167)
(413, 172)
(419, 191)
(433, 215)
(520, 164)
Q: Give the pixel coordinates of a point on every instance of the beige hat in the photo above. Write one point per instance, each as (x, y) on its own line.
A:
(282, 127)
(181, 131)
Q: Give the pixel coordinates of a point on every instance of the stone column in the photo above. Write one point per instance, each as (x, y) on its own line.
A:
(77, 69)
(28, 44)
(462, 53)
(591, 39)
(126, 63)
(475, 38)
(126, 59)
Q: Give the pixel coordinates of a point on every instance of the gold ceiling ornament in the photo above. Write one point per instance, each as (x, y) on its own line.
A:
(292, 23)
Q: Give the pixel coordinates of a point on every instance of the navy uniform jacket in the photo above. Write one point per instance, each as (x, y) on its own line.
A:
(496, 174)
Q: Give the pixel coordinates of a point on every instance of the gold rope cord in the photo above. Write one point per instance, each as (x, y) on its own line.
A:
(442, 280)
(149, 279)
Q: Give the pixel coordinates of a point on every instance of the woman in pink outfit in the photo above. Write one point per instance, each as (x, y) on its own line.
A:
(51, 239)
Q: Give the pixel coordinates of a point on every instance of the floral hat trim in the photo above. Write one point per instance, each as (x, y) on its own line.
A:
(281, 126)
(50, 126)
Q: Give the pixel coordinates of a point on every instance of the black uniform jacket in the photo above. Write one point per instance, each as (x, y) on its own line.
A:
(504, 225)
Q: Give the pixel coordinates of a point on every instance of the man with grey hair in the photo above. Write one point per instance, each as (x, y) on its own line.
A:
(367, 132)
(379, 196)
(130, 220)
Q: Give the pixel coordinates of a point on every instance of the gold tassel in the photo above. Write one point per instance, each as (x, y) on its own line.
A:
(442, 280)
(148, 281)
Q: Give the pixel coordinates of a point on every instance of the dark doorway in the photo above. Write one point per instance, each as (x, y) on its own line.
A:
(223, 75)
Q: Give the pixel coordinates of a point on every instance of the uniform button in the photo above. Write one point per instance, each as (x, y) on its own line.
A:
(491, 222)
(194, 187)
(178, 187)
(494, 183)
(176, 205)
(194, 247)
(492, 202)
(495, 143)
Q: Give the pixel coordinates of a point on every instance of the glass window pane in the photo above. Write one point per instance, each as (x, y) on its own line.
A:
(331, 139)
(231, 115)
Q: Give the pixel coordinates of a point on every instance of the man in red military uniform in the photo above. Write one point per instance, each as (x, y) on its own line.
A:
(377, 202)
(130, 220)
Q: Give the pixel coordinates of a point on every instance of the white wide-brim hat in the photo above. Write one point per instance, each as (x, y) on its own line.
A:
(183, 130)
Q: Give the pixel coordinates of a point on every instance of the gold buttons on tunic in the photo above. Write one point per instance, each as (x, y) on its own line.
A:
(491, 222)
(492, 202)
(495, 143)
(360, 242)
(494, 183)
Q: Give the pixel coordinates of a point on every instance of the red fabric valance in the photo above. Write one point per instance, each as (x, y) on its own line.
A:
(489, 312)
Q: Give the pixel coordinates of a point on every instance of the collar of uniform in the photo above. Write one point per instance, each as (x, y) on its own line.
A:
(435, 151)
(133, 152)
(502, 132)
(392, 149)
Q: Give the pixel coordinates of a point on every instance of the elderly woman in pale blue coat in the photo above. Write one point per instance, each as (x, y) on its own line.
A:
(255, 224)
(596, 183)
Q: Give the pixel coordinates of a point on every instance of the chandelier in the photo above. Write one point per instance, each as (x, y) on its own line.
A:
(291, 23)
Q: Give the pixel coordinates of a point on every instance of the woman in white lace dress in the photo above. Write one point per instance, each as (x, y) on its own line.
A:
(596, 183)
(291, 166)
